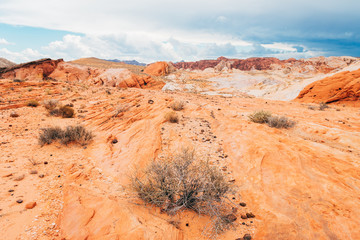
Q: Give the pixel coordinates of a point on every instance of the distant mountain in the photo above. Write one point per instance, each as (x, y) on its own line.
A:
(6, 63)
(131, 62)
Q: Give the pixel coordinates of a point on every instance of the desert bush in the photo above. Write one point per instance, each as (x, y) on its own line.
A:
(66, 111)
(76, 134)
(323, 106)
(32, 103)
(17, 80)
(185, 183)
(120, 109)
(51, 104)
(280, 122)
(177, 105)
(14, 114)
(260, 116)
(172, 117)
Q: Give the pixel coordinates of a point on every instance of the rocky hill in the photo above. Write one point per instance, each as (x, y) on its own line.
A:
(319, 64)
(6, 63)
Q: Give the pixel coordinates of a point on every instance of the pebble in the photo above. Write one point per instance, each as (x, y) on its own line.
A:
(247, 237)
(41, 175)
(250, 215)
(242, 204)
(30, 205)
(244, 216)
(114, 141)
(11, 190)
(33, 172)
(19, 201)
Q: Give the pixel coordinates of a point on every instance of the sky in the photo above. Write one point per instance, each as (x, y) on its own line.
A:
(189, 30)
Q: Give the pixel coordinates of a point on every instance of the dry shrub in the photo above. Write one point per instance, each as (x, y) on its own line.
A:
(14, 114)
(177, 105)
(280, 122)
(260, 116)
(323, 106)
(120, 109)
(55, 109)
(172, 117)
(66, 111)
(32, 103)
(184, 183)
(51, 104)
(76, 134)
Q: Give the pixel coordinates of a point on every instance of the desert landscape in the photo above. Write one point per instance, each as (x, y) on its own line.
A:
(282, 135)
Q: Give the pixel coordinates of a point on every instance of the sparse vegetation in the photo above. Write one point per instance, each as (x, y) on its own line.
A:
(185, 183)
(66, 111)
(32, 103)
(77, 134)
(323, 106)
(51, 104)
(280, 122)
(120, 109)
(17, 80)
(14, 115)
(55, 109)
(272, 121)
(260, 116)
(172, 117)
(177, 105)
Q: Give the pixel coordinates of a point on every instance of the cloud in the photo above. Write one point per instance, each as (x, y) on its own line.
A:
(191, 29)
(23, 56)
(3, 41)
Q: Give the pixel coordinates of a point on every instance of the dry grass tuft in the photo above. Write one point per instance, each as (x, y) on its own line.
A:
(55, 109)
(185, 183)
(32, 103)
(260, 116)
(280, 122)
(323, 106)
(177, 105)
(77, 134)
(172, 117)
(51, 104)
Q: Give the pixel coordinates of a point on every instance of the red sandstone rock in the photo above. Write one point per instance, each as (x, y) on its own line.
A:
(30, 205)
(158, 69)
(343, 87)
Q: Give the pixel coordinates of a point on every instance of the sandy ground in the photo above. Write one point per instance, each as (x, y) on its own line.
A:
(301, 183)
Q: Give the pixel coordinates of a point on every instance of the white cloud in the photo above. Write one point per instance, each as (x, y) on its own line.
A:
(3, 41)
(23, 56)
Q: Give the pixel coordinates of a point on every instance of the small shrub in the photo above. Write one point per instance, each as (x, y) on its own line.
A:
(323, 106)
(14, 115)
(66, 111)
(311, 107)
(17, 80)
(260, 116)
(177, 105)
(32, 103)
(184, 182)
(121, 109)
(172, 117)
(51, 104)
(76, 134)
(280, 122)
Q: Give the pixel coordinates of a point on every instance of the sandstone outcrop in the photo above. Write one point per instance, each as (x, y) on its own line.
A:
(159, 69)
(60, 70)
(318, 64)
(343, 87)
(35, 70)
